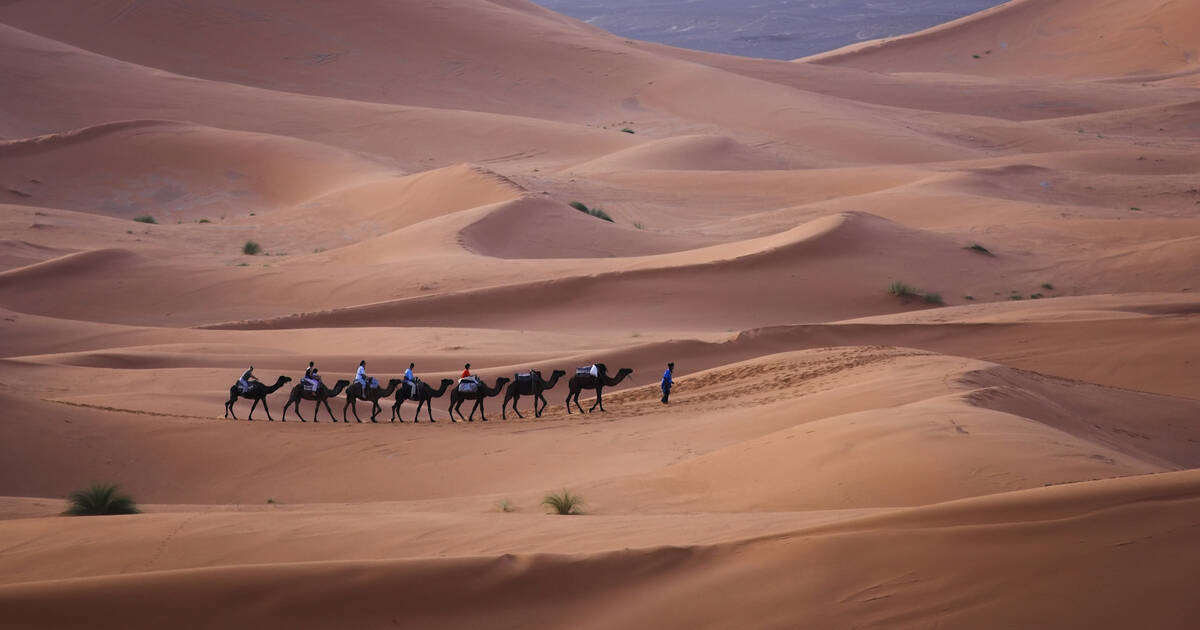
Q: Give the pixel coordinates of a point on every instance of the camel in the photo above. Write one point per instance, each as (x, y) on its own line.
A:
(579, 383)
(425, 395)
(533, 387)
(321, 395)
(481, 392)
(373, 394)
(257, 392)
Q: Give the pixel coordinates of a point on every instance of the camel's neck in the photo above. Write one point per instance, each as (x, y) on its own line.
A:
(552, 382)
(437, 393)
(279, 383)
(609, 382)
(495, 390)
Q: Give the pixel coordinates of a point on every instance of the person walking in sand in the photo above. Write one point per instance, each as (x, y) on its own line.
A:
(667, 382)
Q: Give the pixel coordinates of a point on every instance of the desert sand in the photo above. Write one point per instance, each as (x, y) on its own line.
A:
(1015, 445)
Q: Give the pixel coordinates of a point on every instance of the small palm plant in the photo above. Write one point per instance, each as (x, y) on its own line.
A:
(100, 499)
(563, 502)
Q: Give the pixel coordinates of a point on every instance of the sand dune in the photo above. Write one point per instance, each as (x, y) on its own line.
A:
(1012, 445)
(1067, 38)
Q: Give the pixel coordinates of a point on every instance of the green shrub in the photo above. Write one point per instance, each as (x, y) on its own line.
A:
(98, 500)
(145, 219)
(204, 221)
(1047, 286)
(600, 214)
(251, 248)
(899, 289)
(976, 247)
(933, 298)
(627, 130)
(596, 212)
(563, 502)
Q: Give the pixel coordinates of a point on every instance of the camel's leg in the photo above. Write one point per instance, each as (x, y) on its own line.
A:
(354, 408)
(285, 406)
(229, 409)
(396, 409)
(517, 399)
(429, 410)
(452, 404)
(569, 402)
(375, 409)
(575, 397)
(537, 413)
(599, 400)
(317, 410)
(267, 409)
(479, 403)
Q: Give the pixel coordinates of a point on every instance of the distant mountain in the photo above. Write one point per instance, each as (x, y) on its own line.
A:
(775, 29)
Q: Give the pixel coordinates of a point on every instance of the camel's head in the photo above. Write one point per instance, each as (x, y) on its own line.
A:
(558, 373)
(625, 372)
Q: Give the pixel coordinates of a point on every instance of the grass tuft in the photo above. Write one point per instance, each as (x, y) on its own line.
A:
(505, 506)
(899, 289)
(976, 247)
(933, 298)
(1047, 286)
(627, 130)
(596, 212)
(145, 219)
(251, 248)
(563, 502)
(98, 500)
(204, 221)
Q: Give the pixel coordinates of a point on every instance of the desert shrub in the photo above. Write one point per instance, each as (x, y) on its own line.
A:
(145, 218)
(976, 247)
(600, 214)
(505, 506)
(1047, 286)
(627, 130)
(596, 212)
(563, 502)
(251, 248)
(100, 499)
(638, 225)
(899, 289)
(933, 298)
(204, 221)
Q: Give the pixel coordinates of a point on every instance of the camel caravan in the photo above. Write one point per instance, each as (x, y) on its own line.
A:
(591, 378)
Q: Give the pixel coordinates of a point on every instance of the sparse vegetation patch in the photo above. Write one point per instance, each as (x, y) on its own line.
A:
(563, 502)
(145, 219)
(100, 499)
(976, 247)
(251, 248)
(596, 212)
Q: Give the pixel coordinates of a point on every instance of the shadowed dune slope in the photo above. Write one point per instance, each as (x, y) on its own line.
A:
(1083, 39)
(707, 287)
(1080, 555)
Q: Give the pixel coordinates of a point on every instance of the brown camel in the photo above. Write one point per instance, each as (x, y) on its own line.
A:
(373, 394)
(457, 397)
(579, 383)
(425, 395)
(531, 387)
(257, 392)
(322, 395)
